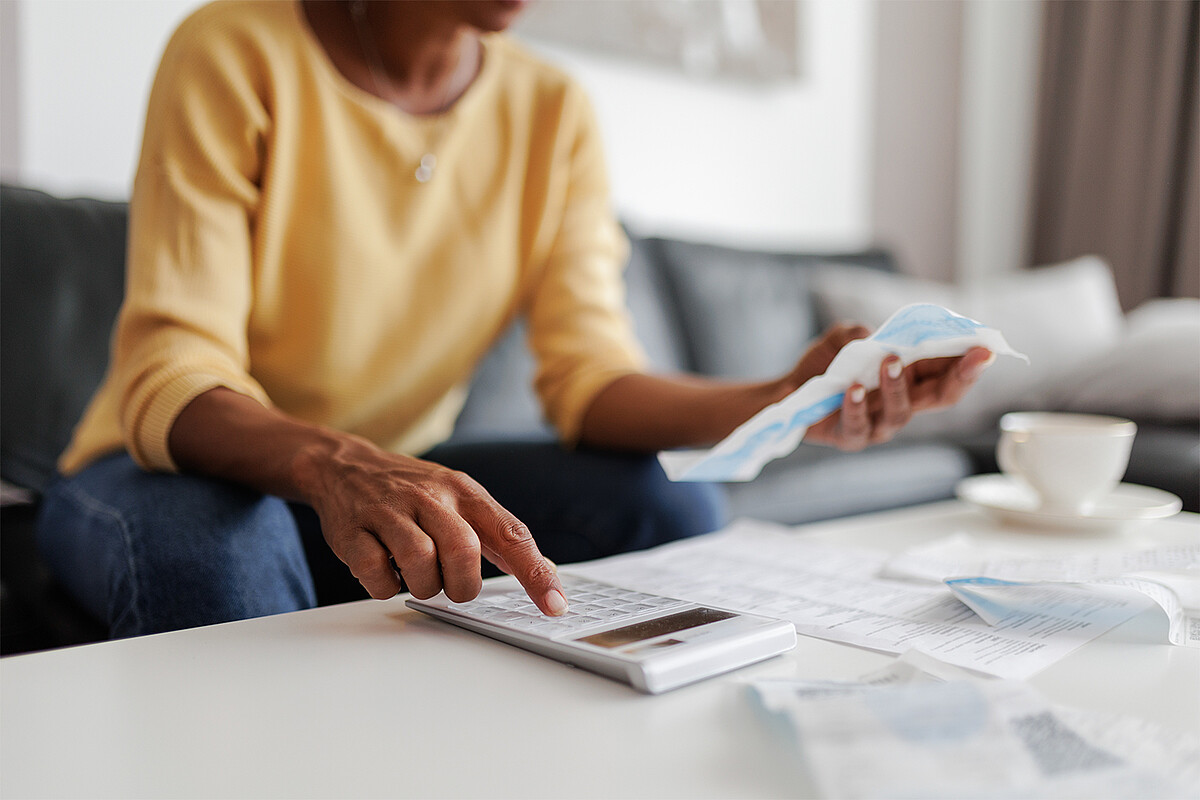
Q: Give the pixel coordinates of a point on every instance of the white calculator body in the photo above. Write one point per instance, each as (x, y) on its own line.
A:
(651, 642)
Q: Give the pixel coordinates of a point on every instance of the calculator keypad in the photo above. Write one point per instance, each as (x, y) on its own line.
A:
(593, 604)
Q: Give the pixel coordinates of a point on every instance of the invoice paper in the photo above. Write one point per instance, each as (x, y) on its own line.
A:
(834, 592)
(915, 332)
(904, 732)
(959, 555)
(996, 585)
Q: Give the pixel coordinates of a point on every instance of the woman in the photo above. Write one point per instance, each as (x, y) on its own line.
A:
(338, 208)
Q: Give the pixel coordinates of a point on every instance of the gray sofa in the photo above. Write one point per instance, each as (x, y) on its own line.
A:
(685, 299)
(62, 264)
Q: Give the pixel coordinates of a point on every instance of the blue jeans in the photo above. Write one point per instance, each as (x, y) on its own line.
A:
(151, 552)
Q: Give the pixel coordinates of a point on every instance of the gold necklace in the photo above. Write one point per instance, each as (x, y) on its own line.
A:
(375, 65)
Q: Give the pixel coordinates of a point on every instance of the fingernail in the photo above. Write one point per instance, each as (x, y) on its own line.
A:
(894, 369)
(556, 603)
(857, 394)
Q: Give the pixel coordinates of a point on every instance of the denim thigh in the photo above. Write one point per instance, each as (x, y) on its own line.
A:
(150, 552)
(582, 503)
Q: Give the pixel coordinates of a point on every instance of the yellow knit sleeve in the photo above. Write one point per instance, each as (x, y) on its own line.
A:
(579, 327)
(183, 327)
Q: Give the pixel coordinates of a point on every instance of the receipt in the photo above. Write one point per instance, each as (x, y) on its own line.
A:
(832, 592)
(913, 333)
(997, 585)
(1000, 602)
(960, 738)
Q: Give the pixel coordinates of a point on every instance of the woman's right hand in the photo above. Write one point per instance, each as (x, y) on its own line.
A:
(380, 512)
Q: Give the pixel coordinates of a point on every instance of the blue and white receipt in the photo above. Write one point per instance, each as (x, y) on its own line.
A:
(915, 332)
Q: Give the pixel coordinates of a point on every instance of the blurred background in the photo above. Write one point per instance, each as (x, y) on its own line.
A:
(972, 138)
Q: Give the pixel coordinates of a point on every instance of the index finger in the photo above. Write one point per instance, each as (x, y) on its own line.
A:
(507, 538)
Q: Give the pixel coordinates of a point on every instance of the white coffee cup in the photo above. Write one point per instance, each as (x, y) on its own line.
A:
(1070, 460)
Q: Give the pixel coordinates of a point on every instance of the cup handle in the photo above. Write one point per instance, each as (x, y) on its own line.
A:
(1006, 455)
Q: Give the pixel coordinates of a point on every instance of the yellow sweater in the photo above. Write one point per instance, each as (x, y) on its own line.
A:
(281, 246)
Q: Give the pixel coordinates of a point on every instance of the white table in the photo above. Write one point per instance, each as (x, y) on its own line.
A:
(370, 699)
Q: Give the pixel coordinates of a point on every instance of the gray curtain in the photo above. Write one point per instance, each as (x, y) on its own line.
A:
(1116, 166)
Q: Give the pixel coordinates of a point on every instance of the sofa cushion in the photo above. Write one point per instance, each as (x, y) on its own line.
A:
(501, 403)
(62, 277)
(655, 316)
(1059, 315)
(1167, 456)
(815, 482)
(746, 314)
(1152, 372)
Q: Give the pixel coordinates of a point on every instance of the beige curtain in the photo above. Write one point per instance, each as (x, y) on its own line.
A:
(1116, 166)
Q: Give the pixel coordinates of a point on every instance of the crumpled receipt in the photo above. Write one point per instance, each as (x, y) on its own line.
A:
(998, 601)
(915, 332)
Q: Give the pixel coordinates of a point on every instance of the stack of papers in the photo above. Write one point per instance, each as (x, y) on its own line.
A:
(844, 594)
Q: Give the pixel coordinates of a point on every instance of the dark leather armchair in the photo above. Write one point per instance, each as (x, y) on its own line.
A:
(62, 276)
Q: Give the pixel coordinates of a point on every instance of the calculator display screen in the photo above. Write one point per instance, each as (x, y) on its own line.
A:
(648, 629)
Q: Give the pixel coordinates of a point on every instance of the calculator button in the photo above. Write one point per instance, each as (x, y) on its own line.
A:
(637, 608)
(586, 608)
(609, 613)
(592, 605)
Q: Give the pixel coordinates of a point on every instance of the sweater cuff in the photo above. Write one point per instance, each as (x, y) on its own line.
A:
(574, 405)
(149, 433)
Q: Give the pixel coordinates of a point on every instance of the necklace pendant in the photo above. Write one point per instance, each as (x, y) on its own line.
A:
(424, 171)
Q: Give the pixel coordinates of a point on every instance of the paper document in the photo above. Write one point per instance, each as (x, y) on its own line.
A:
(996, 586)
(913, 333)
(961, 555)
(834, 592)
(905, 732)
(999, 602)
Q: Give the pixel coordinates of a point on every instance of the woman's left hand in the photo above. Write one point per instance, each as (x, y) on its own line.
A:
(868, 418)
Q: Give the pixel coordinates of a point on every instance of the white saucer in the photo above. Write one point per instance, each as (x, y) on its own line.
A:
(1013, 500)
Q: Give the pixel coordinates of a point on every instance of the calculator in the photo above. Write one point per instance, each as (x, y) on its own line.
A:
(651, 642)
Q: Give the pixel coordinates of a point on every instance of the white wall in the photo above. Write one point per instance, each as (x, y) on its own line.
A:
(773, 165)
(10, 61)
(917, 126)
(767, 164)
(785, 165)
(84, 77)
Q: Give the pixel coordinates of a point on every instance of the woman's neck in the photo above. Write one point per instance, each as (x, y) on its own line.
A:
(410, 54)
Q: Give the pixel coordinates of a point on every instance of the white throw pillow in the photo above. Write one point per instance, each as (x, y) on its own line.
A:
(1060, 316)
(1152, 373)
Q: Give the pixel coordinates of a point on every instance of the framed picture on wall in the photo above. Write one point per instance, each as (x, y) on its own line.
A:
(756, 40)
